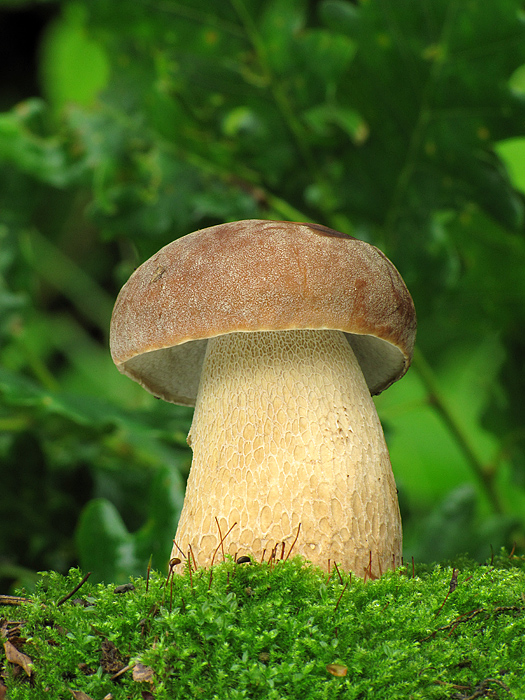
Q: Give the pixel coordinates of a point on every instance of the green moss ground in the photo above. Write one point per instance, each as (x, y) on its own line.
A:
(274, 632)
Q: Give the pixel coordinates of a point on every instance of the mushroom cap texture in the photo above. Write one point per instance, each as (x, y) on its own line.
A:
(259, 275)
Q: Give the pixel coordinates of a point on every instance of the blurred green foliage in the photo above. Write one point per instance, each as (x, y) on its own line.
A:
(401, 122)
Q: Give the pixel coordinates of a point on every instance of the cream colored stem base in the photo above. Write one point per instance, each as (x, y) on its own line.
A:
(285, 432)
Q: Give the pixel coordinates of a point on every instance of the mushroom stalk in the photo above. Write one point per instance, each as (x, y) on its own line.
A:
(285, 432)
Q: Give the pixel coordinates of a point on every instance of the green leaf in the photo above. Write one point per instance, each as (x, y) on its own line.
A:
(74, 67)
(165, 504)
(104, 544)
(326, 55)
(512, 153)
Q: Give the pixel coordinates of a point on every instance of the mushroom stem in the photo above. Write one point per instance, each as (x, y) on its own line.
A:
(285, 432)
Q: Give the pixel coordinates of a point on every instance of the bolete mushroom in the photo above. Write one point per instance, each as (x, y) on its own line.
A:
(278, 333)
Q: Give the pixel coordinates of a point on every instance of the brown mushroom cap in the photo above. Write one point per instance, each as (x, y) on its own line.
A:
(259, 275)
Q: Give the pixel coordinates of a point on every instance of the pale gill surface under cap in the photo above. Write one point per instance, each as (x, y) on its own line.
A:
(285, 432)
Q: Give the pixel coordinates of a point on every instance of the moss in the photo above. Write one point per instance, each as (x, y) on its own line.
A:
(275, 631)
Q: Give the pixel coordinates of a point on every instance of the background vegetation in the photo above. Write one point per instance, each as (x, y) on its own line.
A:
(401, 122)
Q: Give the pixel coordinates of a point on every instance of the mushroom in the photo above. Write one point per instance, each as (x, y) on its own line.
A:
(278, 333)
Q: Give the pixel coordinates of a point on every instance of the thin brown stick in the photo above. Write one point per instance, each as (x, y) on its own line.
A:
(148, 574)
(293, 543)
(452, 626)
(338, 573)
(339, 599)
(220, 543)
(368, 571)
(192, 556)
(13, 600)
(180, 550)
(122, 671)
(75, 589)
(271, 560)
(452, 587)
(221, 540)
(189, 569)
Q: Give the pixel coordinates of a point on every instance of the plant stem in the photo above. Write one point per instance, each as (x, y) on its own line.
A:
(483, 473)
(68, 277)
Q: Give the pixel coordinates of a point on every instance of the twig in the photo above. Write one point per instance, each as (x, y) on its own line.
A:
(148, 573)
(452, 587)
(192, 556)
(180, 550)
(481, 689)
(70, 595)
(338, 573)
(221, 541)
(452, 626)
(271, 560)
(189, 569)
(339, 599)
(122, 671)
(368, 570)
(13, 600)
(293, 543)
